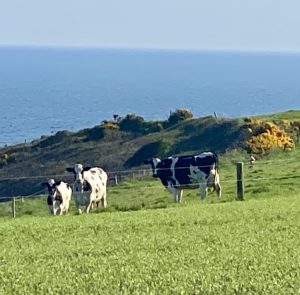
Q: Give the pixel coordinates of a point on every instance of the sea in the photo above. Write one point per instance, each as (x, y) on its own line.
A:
(44, 90)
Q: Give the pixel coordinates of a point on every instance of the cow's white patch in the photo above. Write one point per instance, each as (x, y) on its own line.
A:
(173, 170)
(155, 161)
(196, 175)
(204, 155)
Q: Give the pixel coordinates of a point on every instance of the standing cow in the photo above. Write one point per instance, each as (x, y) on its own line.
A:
(89, 186)
(59, 196)
(49, 185)
(177, 173)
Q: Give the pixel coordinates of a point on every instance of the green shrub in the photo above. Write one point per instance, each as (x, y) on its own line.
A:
(94, 134)
(132, 123)
(106, 130)
(151, 127)
(179, 115)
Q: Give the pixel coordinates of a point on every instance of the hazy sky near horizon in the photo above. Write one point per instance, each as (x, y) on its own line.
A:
(192, 24)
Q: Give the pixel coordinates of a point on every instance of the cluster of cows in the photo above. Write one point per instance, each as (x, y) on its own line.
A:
(176, 173)
(88, 189)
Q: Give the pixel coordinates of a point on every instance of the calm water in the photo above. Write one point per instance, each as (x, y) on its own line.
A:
(46, 90)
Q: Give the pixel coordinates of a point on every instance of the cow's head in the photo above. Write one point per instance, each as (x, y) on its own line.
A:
(78, 172)
(49, 185)
(153, 162)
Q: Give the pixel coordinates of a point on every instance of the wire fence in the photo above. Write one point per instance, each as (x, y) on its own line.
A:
(119, 176)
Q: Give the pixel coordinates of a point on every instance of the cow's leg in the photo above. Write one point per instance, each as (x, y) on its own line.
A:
(90, 205)
(180, 193)
(77, 203)
(67, 207)
(175, 195)
(173, 191)
(218, 185)
(218, 189)
(61, 207)
(55, 209)
(103, 200)
(88, 208)
(203, 191)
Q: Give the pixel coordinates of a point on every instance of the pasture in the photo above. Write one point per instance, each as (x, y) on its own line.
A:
(199, 247)
(238, 247)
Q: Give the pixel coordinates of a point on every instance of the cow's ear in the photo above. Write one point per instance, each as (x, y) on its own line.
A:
(70, 170)
(44, 183)
(147, 162)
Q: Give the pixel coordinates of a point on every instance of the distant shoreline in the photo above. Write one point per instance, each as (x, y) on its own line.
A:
(149, 49)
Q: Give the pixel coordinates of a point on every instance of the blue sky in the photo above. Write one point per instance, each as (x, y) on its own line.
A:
(271, 25)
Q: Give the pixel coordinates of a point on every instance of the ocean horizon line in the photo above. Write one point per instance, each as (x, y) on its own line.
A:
(149, 49)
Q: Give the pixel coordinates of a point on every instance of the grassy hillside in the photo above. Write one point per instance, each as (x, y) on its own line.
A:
(288, 115)
(117, 146)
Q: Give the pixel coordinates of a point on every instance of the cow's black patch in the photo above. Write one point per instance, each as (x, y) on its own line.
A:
(56, 183)
(86, 186)
(86, 169)
(164, 172)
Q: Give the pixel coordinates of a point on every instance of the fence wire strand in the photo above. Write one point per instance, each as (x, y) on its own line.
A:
(147, 173)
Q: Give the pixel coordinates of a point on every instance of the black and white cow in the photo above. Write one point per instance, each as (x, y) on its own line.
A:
(177, 173)
(59, 196)
(89, 186)
(49, 186)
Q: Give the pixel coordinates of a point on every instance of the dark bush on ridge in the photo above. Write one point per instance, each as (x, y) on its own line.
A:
(107, 129)
(132, 123)
(179, 115)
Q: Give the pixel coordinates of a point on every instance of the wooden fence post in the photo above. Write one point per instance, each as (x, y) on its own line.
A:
(116, 179)
(240, 180)
(13, 205)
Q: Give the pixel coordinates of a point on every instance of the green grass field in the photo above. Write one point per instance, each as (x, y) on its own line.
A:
(144, 244)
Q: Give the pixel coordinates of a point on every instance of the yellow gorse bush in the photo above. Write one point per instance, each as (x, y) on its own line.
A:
(265, 136)
(109, 125)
